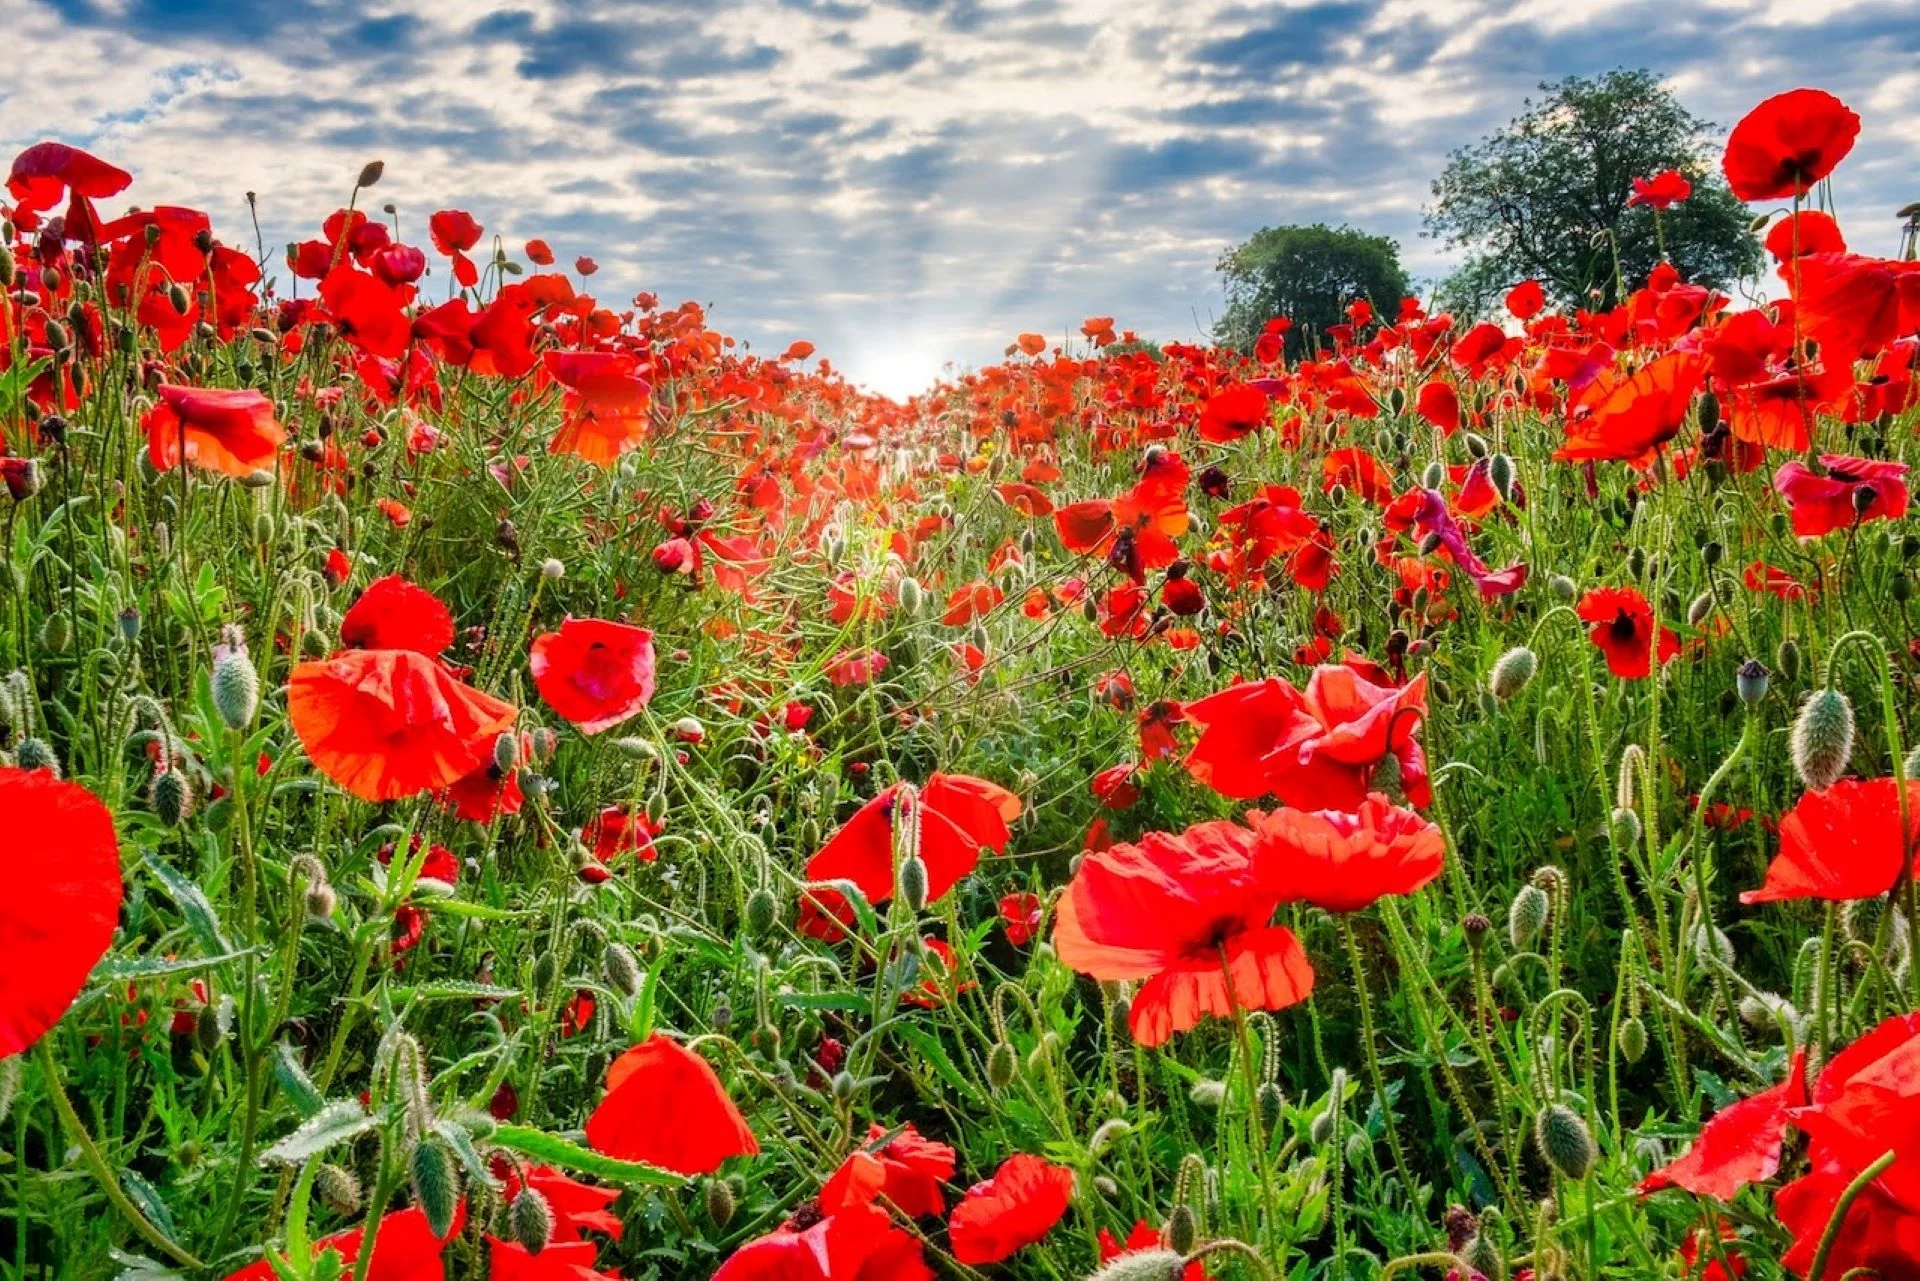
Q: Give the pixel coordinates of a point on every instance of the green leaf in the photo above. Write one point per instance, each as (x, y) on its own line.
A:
(295, 1082)
(193, 904)
(554, 1150)
(333, 1124)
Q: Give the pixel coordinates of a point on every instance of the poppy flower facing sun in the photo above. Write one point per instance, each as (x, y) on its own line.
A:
(1189, 914)
(232, 432)
(62, 902)
(593, 672)
(1788, 143)
(1623, 627)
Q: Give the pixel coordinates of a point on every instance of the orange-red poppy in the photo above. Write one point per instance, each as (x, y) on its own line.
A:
(956, 816)
(1015, 1208)
(1232, 413)
(594, 672)
(860, 1243)
(665, 1106)
(1188, 913)
(1343, 862)
(390, 723)
(1628, 417)
(404, 1248)
(1842, 843)
(230, 431)
(393, 613)
(1623, 628)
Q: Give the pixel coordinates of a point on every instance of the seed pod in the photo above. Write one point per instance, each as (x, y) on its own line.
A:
(530, 1220)
(913, 883)
(620, 968)
(719, 1196)
(1565, 1141)
(1527, 916)
(235, 686)
(1631, 1038)
(1512, 672)
(1750, 681)
(338, 1188)
(1002, 1065)
(436, 1186)
(171, 796)
(1822, 738)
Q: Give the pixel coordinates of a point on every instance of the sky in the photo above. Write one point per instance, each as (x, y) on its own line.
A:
(903, 182)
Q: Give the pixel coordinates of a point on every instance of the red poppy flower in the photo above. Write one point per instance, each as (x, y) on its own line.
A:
(1343, 862)
(1811, 231)
(393, 613)
(404, 1248)
(1622, 626)
(232, 432)
(1016, 1207)
(971, 602)
(608, 405)
(539, 253)
(1740, 1145)
(957, 816)
(1025, 498)
(1662, 191)
(1233, 413)
(1526, 300)
(1189, 914)
(594, 672)
(62, 902)
(825, 914)
(454, 232)
(1788, 143)
(1626, 418)
(1853, 491)
(1020, 912)
(387, 723)
(861, 1243)
(1137, 531)
(665, 1106)
(558, 1261)
(907, 1169)
(617, 830)
(1317, 749)
(1361, 473)
(1439, 404)
(1854, 306)
(1841, 843)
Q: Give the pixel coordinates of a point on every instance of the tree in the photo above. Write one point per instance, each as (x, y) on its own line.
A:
(1547, 197)
(1309, 274)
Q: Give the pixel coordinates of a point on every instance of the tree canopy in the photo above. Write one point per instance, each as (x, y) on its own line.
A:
(1548, 197)
(1309, 274)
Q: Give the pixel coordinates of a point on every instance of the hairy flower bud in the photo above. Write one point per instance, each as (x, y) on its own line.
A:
(913, 883)
(620, 968)
(235, 684)
(1822, 738)
(1631, 1038)
(530, 1220)
(719, 1196)
(1527, 916)
(1565, 1141)
(1002, 1065)
(1500, 472)
(171, 796)
(436, 1185)
(1512, 672)
(338, 1188)
(1153, 1264)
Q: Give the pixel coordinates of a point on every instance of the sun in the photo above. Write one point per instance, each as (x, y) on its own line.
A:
(894, 368)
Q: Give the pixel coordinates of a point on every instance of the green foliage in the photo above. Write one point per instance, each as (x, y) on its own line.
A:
(1546, 197)
(1310, 275)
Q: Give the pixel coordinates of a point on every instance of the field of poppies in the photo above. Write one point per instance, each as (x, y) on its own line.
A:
(500, 783)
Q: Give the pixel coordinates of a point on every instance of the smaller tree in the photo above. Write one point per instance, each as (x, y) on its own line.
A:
(1309, 274)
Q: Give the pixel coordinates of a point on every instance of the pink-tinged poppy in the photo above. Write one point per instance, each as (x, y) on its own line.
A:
(404, 1248)
(1233, 413)
(1841, 843)
(1343, 862)
(232, 432)
(1664, 190)
(957, 816)
(1853, 491)
(860, 1243)
(1788, 143)
(1313, 749)
(1015, 1208)
(387, 724)
(665, 1106)
(62, 902)
(1189, 914)
(1622, 626)
(594, 672)
(1740, 1145)
(393, 613)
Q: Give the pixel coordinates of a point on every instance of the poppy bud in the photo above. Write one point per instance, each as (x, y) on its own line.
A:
(370, 173)
(338, 1188)
(436, 1187)
(688, 729)
(1565, 1141)
(913, 882)
(1183, 1229)
(1512, 672)
(1476, 927)
(1562, 587)
(1434, 476)
(1527, 916)
(639, 749)
(1822, 738)
(36, 753)
(9, 1083)
(1912, 763)
(321, 901)
(530, 1220)
(1626, 827)
(1090, 610)
(1269, 1101)
(1500, 472)
(56, 633)
(182, 300)
(1700, 609)
(1750, 681)
(620, 968)
(1321, 1128)
(553, 570)
(506, 753)
(6, 267)
(1787, 658)
(1631, 1038)
(1152, 1264)
(719, 1197)
(172, 797)
(209, 1030)
(762, 908)
(1482, 1258)
(1337, 495)
(235, 686)
(1207, 1094)
(1002, 1065)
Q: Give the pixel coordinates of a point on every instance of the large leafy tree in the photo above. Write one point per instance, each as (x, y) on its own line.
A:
(1547, 197)
(1309, 274)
